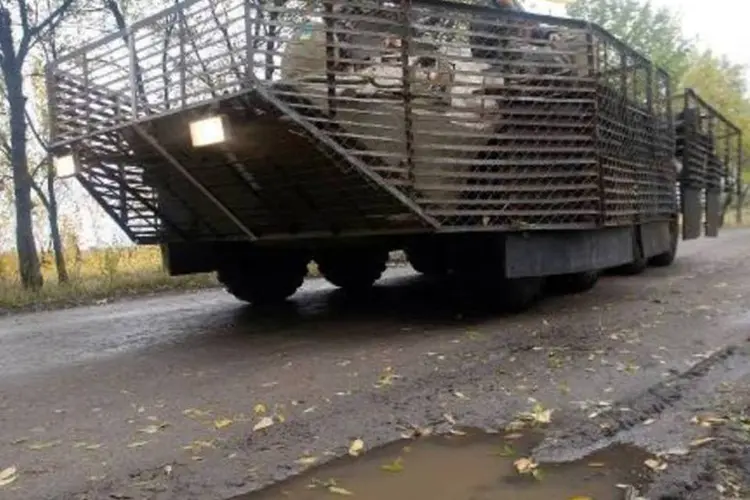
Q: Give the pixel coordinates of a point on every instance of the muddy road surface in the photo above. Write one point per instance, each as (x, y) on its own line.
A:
(639, 388)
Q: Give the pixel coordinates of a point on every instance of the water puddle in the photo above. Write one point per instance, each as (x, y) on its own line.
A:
(476, 466)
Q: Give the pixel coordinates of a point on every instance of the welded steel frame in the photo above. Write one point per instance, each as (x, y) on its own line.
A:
(701, 189)
(137, 110)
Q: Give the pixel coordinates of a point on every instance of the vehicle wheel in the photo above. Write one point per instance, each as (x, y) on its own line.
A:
(667, 258)
(572, 283)
(520, 294)
(512, 295)
(352, 269)
(637, 266)
(263, 280)
(426, 262)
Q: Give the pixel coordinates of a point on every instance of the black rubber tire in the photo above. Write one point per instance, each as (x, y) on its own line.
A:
(567, 284)
(635, 267)
(520, 294)
(352, 269)
(510, 295)
(667, 258)
(263, 280)
(426, 262)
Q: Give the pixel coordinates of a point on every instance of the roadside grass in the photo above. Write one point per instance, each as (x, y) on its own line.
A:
(95, 275)
(731, 220)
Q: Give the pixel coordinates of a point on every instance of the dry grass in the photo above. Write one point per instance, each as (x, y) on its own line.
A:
(95, 275)
(731, 218)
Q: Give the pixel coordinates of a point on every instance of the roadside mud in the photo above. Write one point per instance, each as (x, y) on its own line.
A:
(474, 466)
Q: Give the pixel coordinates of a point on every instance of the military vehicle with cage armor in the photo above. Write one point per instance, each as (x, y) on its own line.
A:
(512, 150)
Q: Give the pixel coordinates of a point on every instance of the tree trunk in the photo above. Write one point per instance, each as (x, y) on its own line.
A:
(54, 228)
(28, 258)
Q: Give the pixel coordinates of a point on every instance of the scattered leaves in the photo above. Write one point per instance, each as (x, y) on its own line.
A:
(396, 466)
(8, 476)
(356, 448)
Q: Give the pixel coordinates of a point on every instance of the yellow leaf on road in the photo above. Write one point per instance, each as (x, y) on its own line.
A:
(655, 465)
(260, 409)
(8, 475)
(44, 445)
(152, 429)
(701, 442)
(307, 460)
(221, 423)
(395, 466)
(263, 423)
(356, 448)
(525, 465)
(337, 490)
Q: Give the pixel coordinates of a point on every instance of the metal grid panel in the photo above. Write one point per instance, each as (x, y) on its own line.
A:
(708, 144)
(471, 119)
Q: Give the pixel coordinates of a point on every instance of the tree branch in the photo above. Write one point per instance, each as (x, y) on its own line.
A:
(41, 194)
(35, 132)
(32, 35)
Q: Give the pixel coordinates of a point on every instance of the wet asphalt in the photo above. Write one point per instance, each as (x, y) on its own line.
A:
(158, 398)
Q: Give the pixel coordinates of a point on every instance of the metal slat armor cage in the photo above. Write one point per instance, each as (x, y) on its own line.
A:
(365, 117)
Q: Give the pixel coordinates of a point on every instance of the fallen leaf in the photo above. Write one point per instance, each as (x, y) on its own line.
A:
(395, 466)
(153, 429)
(138, 444)
(263, 423)
(307, 460)
(260, 409)
(337, 490)
(221, 423)
(356, 448)
(44, 445)
(655, 465)
(525, 465)
(460, 395)
(701, 441)
(196, 413)
(8, 475)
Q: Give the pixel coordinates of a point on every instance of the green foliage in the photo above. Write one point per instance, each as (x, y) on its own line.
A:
(654, 31)
(657, 33)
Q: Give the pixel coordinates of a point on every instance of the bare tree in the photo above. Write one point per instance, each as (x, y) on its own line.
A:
(13, 56)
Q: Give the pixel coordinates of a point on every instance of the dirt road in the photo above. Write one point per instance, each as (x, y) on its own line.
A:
(198, 397)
